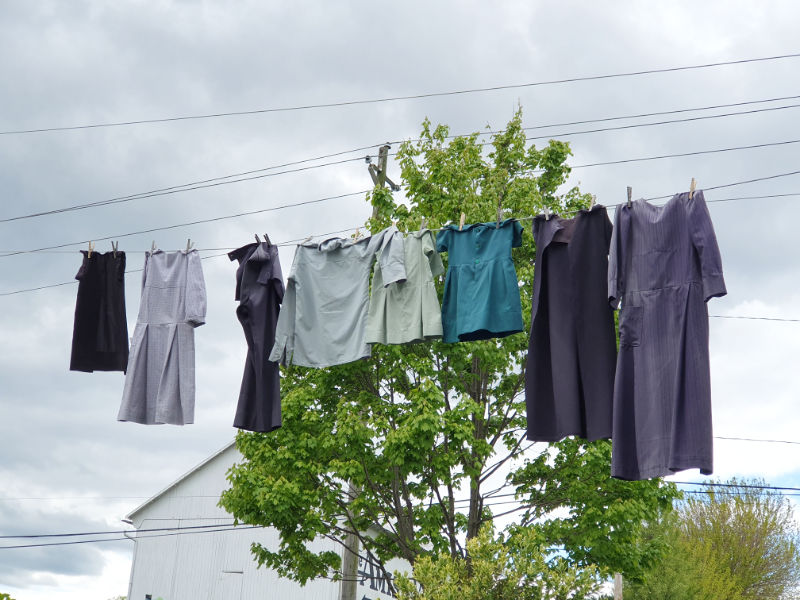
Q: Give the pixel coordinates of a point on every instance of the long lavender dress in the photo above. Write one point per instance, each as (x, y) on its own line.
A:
(664, 266)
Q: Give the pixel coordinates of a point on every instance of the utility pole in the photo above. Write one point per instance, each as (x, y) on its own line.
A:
(617, 586)
(378, 173)
(349, 585)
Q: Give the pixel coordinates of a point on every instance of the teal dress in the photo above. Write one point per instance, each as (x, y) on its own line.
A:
(481, 292)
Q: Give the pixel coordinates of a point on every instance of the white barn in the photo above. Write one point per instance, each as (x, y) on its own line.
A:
(217, 565)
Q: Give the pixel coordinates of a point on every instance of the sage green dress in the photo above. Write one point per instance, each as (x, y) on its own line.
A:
(408, 311)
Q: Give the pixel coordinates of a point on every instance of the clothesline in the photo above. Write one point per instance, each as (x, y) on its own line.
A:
(50, 249)
(527, 218)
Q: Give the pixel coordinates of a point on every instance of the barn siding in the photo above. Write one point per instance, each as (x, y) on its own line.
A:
(218, 565)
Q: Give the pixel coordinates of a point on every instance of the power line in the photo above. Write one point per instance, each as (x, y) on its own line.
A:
(244, 175)
(659, 113)
(197, 222)
(187, 187)
(738, 485)
(684, 154)
(400, 98)
(16, 498)
(755, 318)
(727, 487)
(112, 532)
(137, 538)
(731, 492)
(665, 122)
(766, 441)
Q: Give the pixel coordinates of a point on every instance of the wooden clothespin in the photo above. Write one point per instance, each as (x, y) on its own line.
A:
(594, 201)
(692, 187)
(308, 239)
(153, 248)
(423, 223)
(630, 196)
(258, 239)
(114, 248)
(461, 221)
(189, 244)
(546, 213)
(266, 239)
(91, 249)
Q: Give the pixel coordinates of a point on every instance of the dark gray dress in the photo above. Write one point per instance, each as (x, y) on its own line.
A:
(100, 332)
(664, 266)
(259, 289)
(569, 374)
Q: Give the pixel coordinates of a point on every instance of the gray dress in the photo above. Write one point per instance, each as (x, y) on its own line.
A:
(664, 266)
(408, 311)
(324, 313)
(159, 385)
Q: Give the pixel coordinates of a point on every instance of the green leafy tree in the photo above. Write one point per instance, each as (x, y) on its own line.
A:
(499, 569)
(4, 596)
(731, 543)
(430, 434)
(686, 571)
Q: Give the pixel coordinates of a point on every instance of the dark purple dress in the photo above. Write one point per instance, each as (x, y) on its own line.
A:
(259, 289)
(664, 266)
(569, 373)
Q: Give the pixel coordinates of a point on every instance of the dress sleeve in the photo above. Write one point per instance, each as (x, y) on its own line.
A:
(705, 242)
(84, 266)
(616, 283)
(283, 349)
(516, 242)
(392, 258)
(195, 291)
(277, 277)
(443, 240)
(609, 230)
(434, 260)
(147, 256)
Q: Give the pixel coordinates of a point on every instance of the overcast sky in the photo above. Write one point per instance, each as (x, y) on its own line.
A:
(66, 464)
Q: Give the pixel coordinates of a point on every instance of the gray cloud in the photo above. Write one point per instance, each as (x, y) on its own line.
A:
(89, 61)
(17, 565)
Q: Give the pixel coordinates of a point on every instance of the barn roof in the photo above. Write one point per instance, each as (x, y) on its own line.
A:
(129, 516)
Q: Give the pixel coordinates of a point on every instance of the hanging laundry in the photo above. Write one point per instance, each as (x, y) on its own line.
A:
(408, 311)
(160, 384)
(569, 375)
(100, 331)
(664, 266)
(324, 314)
(481, 292)
(259, 289)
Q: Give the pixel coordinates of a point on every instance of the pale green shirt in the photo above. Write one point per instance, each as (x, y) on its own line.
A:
(407, 311)
(324, 313)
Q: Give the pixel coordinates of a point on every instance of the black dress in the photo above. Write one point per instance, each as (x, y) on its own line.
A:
(259, 289)
(100, 332)
(569, 377)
